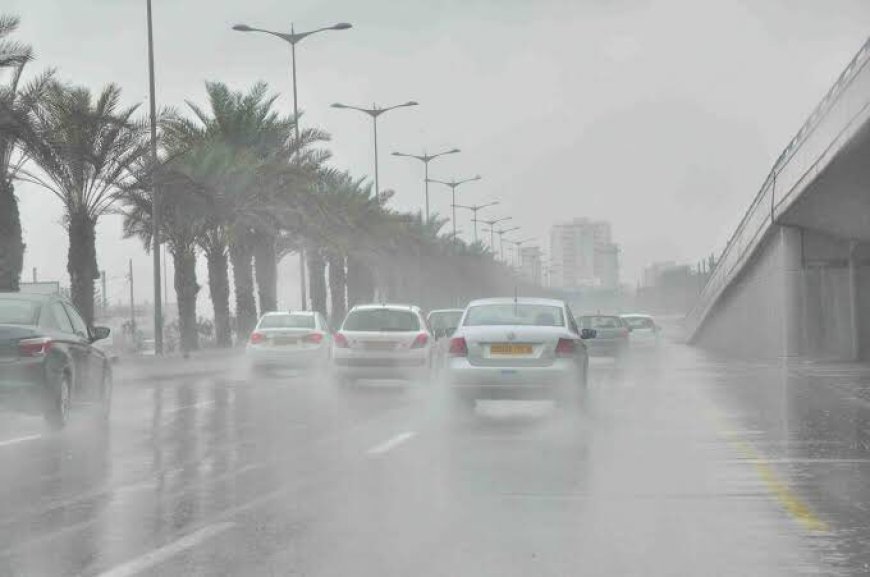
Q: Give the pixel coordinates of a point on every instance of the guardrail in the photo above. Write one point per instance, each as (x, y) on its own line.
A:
(843, 110)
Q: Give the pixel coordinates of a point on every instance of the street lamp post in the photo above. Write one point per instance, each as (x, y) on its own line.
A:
(426, 159)
(293, 38)
(519, 245)
(155, 197)
(374, 112)
(491, 230)
(501, 232)
(474, 208)
(453, 185)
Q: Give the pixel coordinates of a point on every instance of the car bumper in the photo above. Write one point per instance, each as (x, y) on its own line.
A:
(610, 348)
(286, 357)
(23, 387)
(358, 366)
(510, 382)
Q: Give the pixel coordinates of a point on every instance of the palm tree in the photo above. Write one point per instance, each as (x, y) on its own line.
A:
(17, 103)
(85, 149)
(246, 123)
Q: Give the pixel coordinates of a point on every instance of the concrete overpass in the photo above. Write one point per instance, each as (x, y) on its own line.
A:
(794, 279)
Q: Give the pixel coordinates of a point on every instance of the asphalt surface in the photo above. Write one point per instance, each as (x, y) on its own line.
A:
(680, 464)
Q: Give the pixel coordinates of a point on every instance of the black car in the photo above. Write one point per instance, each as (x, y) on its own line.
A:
(47, 359)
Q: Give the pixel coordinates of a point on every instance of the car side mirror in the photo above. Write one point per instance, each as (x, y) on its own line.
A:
(100, 333)
(587, 334)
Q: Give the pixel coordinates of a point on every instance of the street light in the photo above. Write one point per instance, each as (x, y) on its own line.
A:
(519, 244)
(293, 38)
(453, 184)
(474, 208)
(155, 196)
(426, 159)
(374, 112)
(491, 229)
(501, 233)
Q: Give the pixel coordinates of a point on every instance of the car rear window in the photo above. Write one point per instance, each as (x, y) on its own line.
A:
(18, 312)
(288, 321)
(601, 322)
(639, 322)
(445, 320)
(381, 320)
(515, 314)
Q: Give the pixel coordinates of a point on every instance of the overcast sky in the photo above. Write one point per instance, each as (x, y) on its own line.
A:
(661, 116)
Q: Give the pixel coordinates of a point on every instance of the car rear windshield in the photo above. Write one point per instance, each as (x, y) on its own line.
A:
(18, 312)
(639, 322)
(515, 314)
(288, 321)
(601, 322)
(445, 320)
(381, 320)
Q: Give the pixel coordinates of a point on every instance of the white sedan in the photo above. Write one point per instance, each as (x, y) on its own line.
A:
(289, 340)
(382, 342)
(517, 348)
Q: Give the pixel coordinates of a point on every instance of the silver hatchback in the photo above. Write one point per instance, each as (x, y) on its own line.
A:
(517, 348)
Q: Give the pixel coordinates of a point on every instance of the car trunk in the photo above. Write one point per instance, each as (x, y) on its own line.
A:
(512, 346)
(381, 341)
(9, 337)
(290, 338)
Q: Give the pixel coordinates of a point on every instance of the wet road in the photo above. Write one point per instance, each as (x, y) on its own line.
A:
(682, 464)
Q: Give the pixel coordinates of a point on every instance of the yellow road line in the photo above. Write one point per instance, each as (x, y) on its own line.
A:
(787, 498)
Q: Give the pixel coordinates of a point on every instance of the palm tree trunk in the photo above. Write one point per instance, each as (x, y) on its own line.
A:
(337, 288)
(266, 270)
(186, 289)
(11, 245)
(317, 280)
(360, 282)
(241, 256)
(82, 263)
(219, 288)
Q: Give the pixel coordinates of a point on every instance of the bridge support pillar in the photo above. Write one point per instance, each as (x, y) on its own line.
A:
(791, 246)
(854, 312)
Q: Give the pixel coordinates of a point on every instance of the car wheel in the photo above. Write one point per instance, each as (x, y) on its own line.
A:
(57, 413)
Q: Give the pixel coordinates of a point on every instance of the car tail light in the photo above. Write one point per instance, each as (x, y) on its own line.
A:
(313, 338)
(624, 332)
(37, 347)
(566, 348)
(458, 347)
(420, 341)
(257, 338)
(340, 341)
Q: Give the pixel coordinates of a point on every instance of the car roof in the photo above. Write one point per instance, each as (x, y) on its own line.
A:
(388, 306)
(35, 297)
(636, 316)
(286, 313)
(518, 300)
(446, 311)
(599, 316)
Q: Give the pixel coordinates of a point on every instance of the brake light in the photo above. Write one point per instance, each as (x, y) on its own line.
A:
(420, 341)
(313, 338)
(37, 347)
(257, 338)
(458, 347)
(624, 331)
(566, 348)
(340, 341)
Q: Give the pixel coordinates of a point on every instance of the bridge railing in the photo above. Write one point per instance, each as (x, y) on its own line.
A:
(845, 107)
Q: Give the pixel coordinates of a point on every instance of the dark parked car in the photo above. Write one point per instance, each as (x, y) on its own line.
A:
(48, 362)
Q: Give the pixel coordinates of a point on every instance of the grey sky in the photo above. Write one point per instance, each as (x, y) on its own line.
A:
(661, 116)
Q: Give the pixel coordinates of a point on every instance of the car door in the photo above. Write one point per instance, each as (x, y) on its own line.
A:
(88, 366)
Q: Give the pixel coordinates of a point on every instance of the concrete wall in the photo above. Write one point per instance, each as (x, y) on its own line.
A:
(793, 299)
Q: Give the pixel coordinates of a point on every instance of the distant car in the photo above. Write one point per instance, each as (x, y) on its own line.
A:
(48, 361)
(644, 330)
(443, 323)
(289, 340)
(611, 335)
(383, 341)
(517, 348)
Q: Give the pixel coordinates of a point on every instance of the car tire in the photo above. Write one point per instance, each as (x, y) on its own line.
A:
(60, 399)
(106, 391)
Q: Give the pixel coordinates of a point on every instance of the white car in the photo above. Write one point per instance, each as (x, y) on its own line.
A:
(644, 330)
(289, 340)
(384, 341)
(517, 348)
(442, 323)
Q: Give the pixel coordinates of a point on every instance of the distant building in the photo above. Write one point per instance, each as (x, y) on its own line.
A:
(583, 254)
(530, 264)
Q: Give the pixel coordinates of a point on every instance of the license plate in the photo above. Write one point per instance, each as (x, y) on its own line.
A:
(379, 346)
(285, 340)
(510, 349)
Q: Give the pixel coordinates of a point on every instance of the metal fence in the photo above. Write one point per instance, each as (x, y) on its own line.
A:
(843, 110)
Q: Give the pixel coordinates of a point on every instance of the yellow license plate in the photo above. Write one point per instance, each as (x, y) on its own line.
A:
(510, 349)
